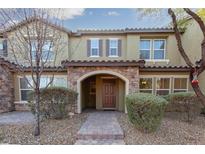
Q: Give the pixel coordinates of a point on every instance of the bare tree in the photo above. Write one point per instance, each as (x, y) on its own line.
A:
(35, 43)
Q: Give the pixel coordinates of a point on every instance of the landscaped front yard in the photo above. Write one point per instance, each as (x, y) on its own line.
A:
(173, 130)
(52, 132)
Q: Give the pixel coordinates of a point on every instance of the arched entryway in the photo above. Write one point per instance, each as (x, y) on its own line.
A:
(102, 90)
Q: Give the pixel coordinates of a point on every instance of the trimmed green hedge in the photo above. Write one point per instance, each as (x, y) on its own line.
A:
(184, 102)
(145, 110)
(55, 102)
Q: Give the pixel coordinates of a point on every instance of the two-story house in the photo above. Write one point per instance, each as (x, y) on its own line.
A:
(103, 66)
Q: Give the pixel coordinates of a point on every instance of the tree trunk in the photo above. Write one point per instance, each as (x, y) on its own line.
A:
(197, 90)
(37, 112)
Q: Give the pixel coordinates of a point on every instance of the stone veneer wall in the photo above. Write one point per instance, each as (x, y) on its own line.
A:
(6, 90)
(131, 73)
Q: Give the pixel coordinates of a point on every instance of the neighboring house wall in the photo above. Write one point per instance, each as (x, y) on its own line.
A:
(21, 50)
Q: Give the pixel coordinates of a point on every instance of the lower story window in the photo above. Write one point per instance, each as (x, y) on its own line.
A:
(162, 86)
(146, 85)
(26, 83)
(25, 88)
(180, 85)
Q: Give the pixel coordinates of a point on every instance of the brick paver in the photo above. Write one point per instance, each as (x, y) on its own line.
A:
(101, 127)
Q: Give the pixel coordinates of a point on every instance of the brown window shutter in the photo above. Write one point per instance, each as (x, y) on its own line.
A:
(5, 50)
(119, 48)
(100, 48)
(88, 48)
(107, 47)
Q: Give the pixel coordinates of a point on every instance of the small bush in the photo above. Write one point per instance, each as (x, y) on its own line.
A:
(55, 102)
(145, 110)
(184, 102)
(203, 111)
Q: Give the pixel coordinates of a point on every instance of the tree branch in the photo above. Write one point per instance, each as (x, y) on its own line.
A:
(202, 26)
(178, 38)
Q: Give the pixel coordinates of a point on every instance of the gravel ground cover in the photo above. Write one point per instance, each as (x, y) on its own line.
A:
(173, 130)
(52, 132)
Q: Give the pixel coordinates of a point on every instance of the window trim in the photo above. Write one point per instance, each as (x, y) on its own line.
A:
(98, 49)
(20, 96)
(159, 49)
(183, 77)
(48, 60)
(150, 50)
(117, 53)
(163, 77)
(155, 76)
(151, 59)
(19, 88)
(147, 77)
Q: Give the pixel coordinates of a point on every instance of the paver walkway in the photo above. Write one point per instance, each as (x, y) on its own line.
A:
(16, 118)
(101, 127)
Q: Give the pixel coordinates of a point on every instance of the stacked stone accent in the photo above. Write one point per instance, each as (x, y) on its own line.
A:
(6, 89)
(131, 73)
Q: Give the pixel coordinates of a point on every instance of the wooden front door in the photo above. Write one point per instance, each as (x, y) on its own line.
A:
(109, 93)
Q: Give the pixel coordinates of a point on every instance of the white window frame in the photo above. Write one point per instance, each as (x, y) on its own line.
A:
(150, 50)
(117, 54)
(49, 76)
(181, 77)
(147, 77)
(51, 50)
(153, 50)
(163, 77)
(98, 50)
(2, 45)
(19, 82)
(151, 59)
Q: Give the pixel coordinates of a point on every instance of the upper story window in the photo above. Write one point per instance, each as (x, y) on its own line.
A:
(113, 50)
(94, 47)
(3, 48)
(47, 51)
(145, 49)
(1, 45)
(152, 49)
(159, 49)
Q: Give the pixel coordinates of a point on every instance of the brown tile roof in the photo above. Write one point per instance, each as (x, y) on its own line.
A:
(165, 68)
(11, 65)
(15, 67)
(126, 30)
(68, 63)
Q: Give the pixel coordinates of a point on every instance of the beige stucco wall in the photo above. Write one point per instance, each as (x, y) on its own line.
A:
(78, 47)
(191, 40)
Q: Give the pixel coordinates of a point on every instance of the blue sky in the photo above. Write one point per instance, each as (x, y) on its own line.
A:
(100, 18)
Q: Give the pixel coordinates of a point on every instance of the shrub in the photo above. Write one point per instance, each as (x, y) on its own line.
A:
(55, 102)
(203, 111)
(145, 110)
(184, 102)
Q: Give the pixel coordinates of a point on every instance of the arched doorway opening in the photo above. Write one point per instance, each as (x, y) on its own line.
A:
(102, 90)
